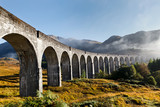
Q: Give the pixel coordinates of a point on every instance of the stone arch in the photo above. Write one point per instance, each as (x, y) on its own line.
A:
(111, 64)
(96, 64)
(89, 67)
(122, 61)
(116, 63)
(101, 65)
(83, 64)
(65, 66)
(106, 65)
(75, 66)
(127, 62)
(52, 67)
(29, 72)
(132, 60)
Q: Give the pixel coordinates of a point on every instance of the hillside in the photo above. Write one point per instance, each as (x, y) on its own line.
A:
(102, 92)
(142, 42)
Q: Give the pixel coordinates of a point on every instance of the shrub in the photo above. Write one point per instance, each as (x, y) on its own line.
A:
(138, 76)
(151, 80)
(101, 74)
(156, 75)
(43, 100)
(83, 75)
(143, 70)
(125, 72)
(132, 71)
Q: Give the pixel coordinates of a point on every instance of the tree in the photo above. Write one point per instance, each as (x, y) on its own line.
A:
(151, 80)
(143, 70)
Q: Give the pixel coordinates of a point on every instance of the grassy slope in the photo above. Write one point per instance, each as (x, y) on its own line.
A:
(80, 90)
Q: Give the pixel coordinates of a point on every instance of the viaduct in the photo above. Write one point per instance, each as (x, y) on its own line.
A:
(63, 62)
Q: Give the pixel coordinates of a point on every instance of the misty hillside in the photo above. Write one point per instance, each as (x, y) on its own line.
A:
(142, 42)
(86, 45)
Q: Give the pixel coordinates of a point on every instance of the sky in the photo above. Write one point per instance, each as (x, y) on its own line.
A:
(87, 19)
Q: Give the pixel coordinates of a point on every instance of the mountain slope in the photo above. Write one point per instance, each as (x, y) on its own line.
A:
(137, 43)
(6, 50)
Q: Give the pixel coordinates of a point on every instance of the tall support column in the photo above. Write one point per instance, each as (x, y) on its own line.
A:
(104, 67)
(93, 71)
(71, 70)
(40, 80)
(98, 66)
(109, 68)
(60, 76)
(80, 70)
(86, 66)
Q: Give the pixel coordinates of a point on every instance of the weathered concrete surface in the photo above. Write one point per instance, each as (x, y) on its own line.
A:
(63, 62)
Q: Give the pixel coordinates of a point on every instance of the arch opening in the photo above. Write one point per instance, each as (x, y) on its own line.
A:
(75, 66)
(101, 65)
(96, 64)
(52, 67)
(116, 63)
(65, 67)
(83, 66)
(122, 61)
(89, 66)
(111, 64)
(29, 72)
(106, 65)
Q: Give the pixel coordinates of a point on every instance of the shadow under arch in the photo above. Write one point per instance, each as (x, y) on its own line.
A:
(121, 61)
(75, 66)
(29, 73)
(65, 66)
(116, 63)
(89, 67)
(95, 65)
(101, 65)
(106, 65)
(52, 67)
(83, 65)
(127, 62)
(111, 64)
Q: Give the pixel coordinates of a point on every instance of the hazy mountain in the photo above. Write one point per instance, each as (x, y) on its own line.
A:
(87, 45)
(6, 50)
(142, 42)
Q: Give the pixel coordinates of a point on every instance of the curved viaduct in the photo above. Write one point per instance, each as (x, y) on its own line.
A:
(63, 62)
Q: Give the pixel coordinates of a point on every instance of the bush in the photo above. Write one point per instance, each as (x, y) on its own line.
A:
(156, 75)
(46, 99)
(151, 80)
(101, 74)
(143, 70)
(132, 71)
(125, 72)
(138, 76)
(83, 75)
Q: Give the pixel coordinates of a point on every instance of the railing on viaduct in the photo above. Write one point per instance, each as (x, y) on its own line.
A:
(63, 62)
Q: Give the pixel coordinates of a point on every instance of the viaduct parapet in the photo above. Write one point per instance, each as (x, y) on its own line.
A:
(63, 62)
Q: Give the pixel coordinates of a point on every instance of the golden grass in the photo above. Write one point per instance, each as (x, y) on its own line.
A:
(76, 90)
